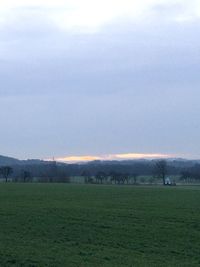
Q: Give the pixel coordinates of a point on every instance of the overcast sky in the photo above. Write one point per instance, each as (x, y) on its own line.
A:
(99, 78)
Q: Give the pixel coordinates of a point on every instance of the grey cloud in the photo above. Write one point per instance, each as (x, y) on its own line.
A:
(127, 88)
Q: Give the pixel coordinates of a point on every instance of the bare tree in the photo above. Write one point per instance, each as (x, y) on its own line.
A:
(26, 176)
(87, 176)
(101, 176)
(160, 170)
(113, 176)
(135, 176)
(126, 177)
(6, 172)
(53, 171)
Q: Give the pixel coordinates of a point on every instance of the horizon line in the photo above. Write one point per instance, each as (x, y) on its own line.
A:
(110, 157)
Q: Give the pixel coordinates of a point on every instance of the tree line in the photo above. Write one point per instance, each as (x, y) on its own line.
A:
(102, 173)
(191, 175)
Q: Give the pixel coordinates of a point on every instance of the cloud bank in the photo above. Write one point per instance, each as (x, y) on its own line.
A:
(97, 78)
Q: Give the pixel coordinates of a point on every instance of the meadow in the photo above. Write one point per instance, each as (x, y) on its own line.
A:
(93, 225)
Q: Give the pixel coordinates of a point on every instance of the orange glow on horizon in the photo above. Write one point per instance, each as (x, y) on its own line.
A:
(138, 155)
(126, 156)
(78, 158)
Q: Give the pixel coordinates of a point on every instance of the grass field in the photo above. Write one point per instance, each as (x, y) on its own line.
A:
(80, 225)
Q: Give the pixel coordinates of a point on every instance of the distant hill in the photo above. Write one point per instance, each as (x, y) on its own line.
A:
(13, 161)
(97, 165)
(8, 161)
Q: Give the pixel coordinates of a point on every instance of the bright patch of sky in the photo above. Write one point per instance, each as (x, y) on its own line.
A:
(90, 15)
(131, 156)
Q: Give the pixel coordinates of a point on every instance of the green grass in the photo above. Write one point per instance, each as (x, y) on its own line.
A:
(90, 225)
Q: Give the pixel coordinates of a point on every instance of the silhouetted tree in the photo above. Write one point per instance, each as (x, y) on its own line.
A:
(87, 176)
(126, 177)
(26, 176)
(113, 176)
(118, 177)
(186, 176)
(160, 170)
(53, 171)
(101, 176)
(135, 176)
(62, 176)
(6, 171)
